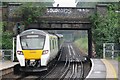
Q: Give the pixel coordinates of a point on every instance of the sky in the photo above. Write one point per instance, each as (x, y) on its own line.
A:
(65, 3)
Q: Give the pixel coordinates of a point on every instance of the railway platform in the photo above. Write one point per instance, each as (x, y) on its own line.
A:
(6, 67)
(101, 69)
(104, 69)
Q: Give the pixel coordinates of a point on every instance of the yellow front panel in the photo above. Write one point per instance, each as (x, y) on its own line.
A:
(32, 54)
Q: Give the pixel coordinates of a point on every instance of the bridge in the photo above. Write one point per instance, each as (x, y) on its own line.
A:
(68, 18)
(60, 18)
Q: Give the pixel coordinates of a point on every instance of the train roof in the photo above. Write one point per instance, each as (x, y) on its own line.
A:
(41, 32)
(33, 31)
(59, 35)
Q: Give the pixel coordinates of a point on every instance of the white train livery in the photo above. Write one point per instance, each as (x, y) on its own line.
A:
(36, 48)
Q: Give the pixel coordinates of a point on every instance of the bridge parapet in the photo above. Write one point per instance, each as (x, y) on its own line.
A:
(56, 13)
(69, 12)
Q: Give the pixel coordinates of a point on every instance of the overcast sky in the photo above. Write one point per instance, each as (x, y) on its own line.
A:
(65, 3)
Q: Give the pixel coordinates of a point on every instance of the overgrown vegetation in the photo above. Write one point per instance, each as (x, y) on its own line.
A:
(82, 43)
(0, 35)
(30, 12)
(7, 40)
(105, 29)
(119, 58)
(5, 37)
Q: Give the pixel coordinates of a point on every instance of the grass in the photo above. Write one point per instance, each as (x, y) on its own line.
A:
(82, 43)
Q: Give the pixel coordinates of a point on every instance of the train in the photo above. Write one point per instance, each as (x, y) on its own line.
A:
(35, 49)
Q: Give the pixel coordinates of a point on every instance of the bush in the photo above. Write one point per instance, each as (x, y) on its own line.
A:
(105, 29)
(0, 35)
(82, 43)
(7, 40)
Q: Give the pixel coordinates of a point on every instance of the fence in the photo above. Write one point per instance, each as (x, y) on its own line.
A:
(6, 55)
(111, 50)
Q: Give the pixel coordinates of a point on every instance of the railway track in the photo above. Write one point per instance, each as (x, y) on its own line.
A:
(65, 69)
(57, 71)
(76, 66)
(40, 76)
(71, 68)
(43, 77)
(34, 76)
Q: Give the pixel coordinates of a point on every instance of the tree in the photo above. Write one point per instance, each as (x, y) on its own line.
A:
(5, 37)
(30, 12)
(0, 35)
(7, 40)
(105, 28)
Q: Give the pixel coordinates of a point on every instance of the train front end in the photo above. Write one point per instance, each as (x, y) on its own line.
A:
(31, 51)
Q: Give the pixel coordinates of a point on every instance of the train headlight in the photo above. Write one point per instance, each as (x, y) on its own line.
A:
(45, 52)
(20, 52)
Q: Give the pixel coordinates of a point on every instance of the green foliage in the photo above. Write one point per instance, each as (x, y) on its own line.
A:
(5, 37)
(7, 40)
(1, 34)
(1, 26)
(82, 43)
(119, 58)
(105, 28)
(30, 12)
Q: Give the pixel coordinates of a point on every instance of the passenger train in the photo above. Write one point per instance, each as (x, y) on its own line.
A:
(35, 49)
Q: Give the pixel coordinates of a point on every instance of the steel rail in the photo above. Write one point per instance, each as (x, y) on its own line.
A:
(66, 70)
(42, 77)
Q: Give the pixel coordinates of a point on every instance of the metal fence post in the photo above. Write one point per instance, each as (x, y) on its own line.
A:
(109, 50)
(104, 50)
(11, 55)
(113, 51)
(3, 55)
(13, 49)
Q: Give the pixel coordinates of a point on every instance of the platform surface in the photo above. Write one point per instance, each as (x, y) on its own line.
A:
(101, 69)
(98, 69)
(112, 68)
(7, 64)
(104, 69)
(6, 67)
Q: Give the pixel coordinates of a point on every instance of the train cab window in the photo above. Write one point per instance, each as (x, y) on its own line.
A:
(32, 41)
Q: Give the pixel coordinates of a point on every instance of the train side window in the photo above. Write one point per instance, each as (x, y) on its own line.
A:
(56, 43)
(53, 43)
(50, 44)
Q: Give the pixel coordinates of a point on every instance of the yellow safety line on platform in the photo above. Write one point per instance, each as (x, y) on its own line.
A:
(108, 64)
